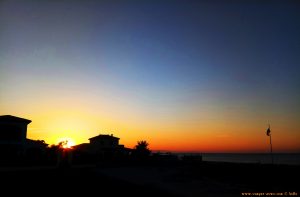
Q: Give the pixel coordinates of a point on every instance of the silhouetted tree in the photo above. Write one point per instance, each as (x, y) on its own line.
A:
(64, 155)
(62, 144)
(141, 149)
(54, 152)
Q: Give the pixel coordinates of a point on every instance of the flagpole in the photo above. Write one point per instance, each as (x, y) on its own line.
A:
(271, 145)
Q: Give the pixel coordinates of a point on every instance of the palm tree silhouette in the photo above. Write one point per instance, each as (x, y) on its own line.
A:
(141, 149)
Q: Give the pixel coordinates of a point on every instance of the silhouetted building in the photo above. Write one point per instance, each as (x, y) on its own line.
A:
(104, 142)
(13, 141)
(13, 131)
(102, 147)
(84, 147)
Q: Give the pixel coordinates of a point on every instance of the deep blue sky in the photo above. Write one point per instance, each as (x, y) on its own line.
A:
(171, 59)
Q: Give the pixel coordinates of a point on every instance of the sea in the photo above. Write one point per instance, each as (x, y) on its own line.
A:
(262, 158)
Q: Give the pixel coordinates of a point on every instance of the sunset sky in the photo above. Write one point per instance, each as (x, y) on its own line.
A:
(204, 76)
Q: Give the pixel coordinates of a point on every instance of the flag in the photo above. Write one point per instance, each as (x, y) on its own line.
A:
(268, 131)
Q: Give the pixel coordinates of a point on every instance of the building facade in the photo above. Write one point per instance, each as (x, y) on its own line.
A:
(104, 142)
(13, 131)
(102, 148)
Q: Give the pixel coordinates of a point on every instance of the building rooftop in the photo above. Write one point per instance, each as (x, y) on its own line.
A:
(101, 136)
(9, 118)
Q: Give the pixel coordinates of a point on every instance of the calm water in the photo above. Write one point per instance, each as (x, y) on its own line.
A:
(279, 158)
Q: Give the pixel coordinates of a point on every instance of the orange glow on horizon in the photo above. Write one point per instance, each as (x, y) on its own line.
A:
(209, 138)
(196, 133)
(67, 143)
(180, 83)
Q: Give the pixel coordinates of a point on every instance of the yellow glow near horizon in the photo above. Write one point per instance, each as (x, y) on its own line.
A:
(68, 142)
(207, 87)
(188, 129)
(202, 135)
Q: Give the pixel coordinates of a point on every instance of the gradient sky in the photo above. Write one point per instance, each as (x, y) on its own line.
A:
(203, 76)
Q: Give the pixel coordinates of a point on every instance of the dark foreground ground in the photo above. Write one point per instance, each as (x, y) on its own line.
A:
(70, 182)
(201, 179)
